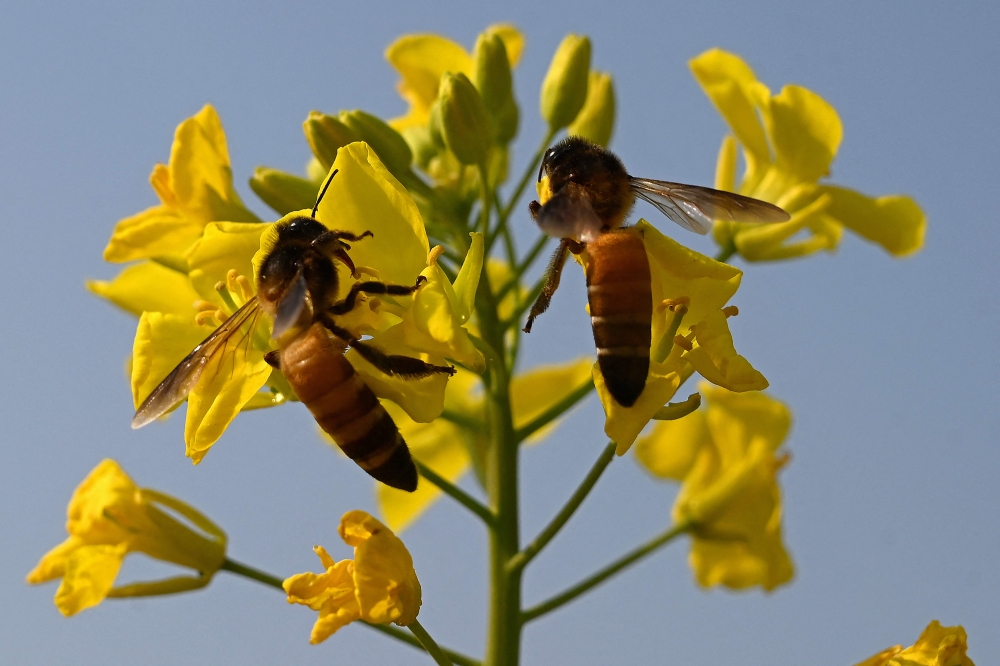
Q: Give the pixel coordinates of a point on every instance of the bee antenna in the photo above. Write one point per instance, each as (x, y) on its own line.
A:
(326, 186)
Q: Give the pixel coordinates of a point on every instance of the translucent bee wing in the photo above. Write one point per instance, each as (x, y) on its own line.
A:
(182, 379)
(569, 214)
(695, 207)
(290, 307)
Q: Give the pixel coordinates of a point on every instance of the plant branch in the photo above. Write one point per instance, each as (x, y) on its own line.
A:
(555, 411)
(429, 644)
(456, 493)
(522, 559)
(607, 572)
(525, 264)
(235, 567)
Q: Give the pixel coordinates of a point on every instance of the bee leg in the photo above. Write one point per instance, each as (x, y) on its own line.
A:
(329, 239)
(552, 275)
(346, 305)
(394, 365)
(273, 359)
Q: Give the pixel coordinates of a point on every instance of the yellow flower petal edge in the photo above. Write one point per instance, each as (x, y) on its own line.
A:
(669, 451)
(716, 360)
(108, 517)
(148, 287)
(937, 646)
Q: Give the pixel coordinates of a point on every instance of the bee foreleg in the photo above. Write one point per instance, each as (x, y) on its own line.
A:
(552, 275)
(328, 239)
(346, 305)
(273, 359)
(394, 365)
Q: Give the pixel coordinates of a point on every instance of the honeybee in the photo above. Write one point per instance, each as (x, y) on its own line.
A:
(297, 287)
(586, 195)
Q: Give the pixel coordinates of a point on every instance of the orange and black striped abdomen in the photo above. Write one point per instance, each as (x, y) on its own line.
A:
(621, 311)
(346, 408)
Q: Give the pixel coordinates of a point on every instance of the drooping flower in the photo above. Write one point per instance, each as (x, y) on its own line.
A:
(789, 141)
(937, 646)
(363, 196)
(109, 517)
(726, 458)
(689, 333)
(378, 586)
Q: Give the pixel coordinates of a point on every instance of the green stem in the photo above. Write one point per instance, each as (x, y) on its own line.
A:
(555, 411)
(526, 178)
(463, 420)
(428, 644)
(525, 264)
(235, 567)
(456, 493)
(267, 579)
(726, 252)
(607, 572)
(525, 556)
(515, 317)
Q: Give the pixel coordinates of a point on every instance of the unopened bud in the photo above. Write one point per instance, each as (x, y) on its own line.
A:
(564, 89)
(388, 144)
(326, 135)
(596, 119)
(493, 80)
(284, 192)
(465, 123)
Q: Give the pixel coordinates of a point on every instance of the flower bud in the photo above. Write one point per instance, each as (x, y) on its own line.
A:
(564, 89)
(493, 80)
(465, 123)
(326, 135)
(388, 144)
(284, 192)
(596, 119)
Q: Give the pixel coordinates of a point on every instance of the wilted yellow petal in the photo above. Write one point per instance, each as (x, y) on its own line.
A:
(895, 222)
(937, 646)
(669, 451)
(89, 576)
(53, 563)
(149, 287)
(716, 360)
(331, 593)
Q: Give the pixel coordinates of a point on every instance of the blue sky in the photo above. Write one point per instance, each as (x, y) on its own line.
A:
(890, 366)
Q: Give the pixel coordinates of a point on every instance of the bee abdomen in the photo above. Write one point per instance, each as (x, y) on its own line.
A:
(621, 309)
(347, 409)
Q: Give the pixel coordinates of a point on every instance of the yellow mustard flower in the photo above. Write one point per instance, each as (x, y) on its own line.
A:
(109, 517)
(726, 458)
(690, 291)
(363, 196)
(195, 188)
(422, 59)
(789, 141)
(450, 447)
(937, 646)
(378, 586)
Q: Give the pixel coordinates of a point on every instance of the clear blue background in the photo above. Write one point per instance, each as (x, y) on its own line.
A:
(890, 366)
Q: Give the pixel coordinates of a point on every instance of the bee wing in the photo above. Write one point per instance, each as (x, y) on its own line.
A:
(695, 207)
(290, 306)
(569, 214)
(182, 379)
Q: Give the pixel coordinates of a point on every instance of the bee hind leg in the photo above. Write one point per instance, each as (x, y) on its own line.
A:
(346, 305)
(552, 276)
(394, 365)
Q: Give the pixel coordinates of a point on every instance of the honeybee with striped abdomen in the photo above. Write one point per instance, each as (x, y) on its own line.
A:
(297, 286)
(585, 196)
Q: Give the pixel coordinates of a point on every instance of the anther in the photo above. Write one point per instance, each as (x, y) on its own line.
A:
(683, 343)
(205, 318)
(365, 270)
(673, 304)
(730, 311)
(201, 305)
(246, 290)
(231, 276)
(433, 255)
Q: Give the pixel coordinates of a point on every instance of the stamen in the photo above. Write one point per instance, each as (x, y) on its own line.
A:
(666, 342)
(365, 270)
(673, 303)
(246, 289)
(205, 318)
(226, 294)
(231, 276)
(730, 311)
(683, 343)
(433, 255)
(201, 305)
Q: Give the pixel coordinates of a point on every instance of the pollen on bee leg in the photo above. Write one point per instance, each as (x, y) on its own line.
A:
(730, 311)
(434, 254)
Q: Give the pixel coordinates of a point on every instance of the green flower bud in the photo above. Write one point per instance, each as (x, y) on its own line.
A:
(465, 123)
(564, 89)
(326, 135)
(388, 144)
(284, 192)
(493, 80)
(596, 119)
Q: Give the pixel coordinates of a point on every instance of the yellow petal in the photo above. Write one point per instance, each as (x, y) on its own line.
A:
(534, 392)
(161, 342)
(149, 287)
(895, 222)
(937, 646)
(154, 232)
(53, 563)
(467, 280)
(734, 90)
(90, 573)
(331, 593)
(386, 584)
(805, 131)
(224, 246)
(421, 60)
(364, 196)
(716, 360)
(102, 505)
(439, 445)
(669, 451)
(738, 421)
(882, 657)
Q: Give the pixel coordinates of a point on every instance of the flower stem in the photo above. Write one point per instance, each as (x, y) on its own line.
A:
(521, 559)
(555, 411)
(607, 572)
(456, 493)
(428, 644)
(235, 567)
